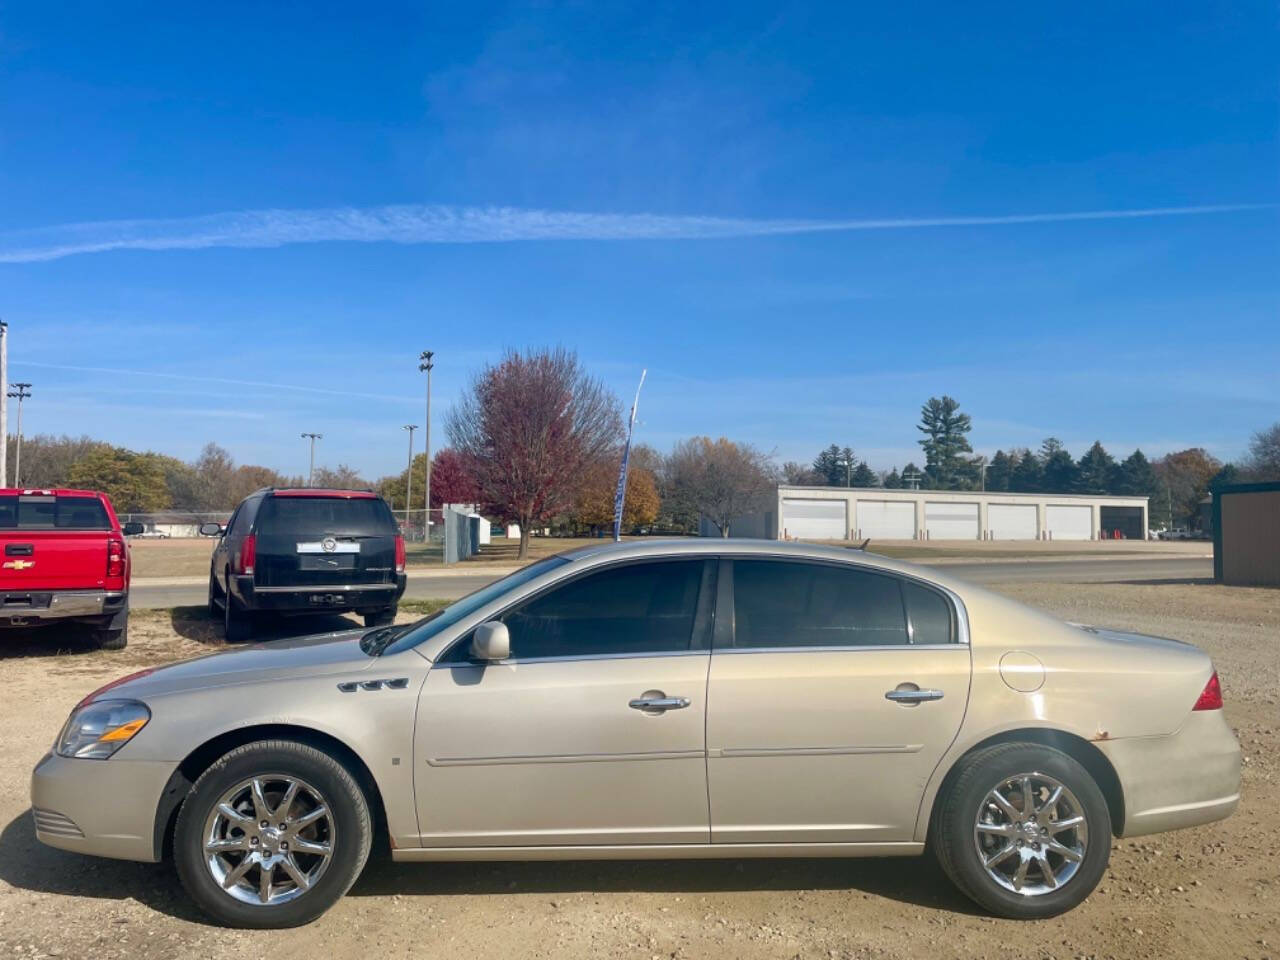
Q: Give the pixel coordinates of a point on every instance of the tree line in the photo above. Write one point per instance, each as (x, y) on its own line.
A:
(1175, 483)
(536, 440)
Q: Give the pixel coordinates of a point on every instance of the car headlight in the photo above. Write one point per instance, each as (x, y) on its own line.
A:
(97, 730)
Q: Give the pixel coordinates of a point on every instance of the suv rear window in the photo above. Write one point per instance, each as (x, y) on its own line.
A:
(294, 516)
(19, 512)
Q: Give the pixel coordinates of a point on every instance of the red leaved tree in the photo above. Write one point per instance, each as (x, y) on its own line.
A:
(529, 427)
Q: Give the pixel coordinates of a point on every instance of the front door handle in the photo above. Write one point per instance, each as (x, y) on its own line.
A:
(910, 695)
(655, 701)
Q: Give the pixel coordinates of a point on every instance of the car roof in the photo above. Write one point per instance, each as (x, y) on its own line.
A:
(49, 491)
(320, 492)
(735, 547)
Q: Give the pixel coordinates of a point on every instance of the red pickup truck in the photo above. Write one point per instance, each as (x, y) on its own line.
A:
(64, 560)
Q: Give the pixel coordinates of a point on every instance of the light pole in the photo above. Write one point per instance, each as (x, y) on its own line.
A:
(983, 465)
(425, 362)
(19, 392)
(408, 480)
(313, 437)
(4, 404)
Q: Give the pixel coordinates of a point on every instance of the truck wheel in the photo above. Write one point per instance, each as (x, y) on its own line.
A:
(272, 835)
(380, 618)
(237, 625)
(109, 639)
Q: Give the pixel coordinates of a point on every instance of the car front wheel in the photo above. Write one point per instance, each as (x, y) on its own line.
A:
(272, 835)
(1023, 830)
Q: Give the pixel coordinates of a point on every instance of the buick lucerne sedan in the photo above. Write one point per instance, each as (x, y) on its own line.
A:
(654, 700)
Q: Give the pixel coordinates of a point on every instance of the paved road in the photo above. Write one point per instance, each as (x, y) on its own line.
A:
(1082, 570)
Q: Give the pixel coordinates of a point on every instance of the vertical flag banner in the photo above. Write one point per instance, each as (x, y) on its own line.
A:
(620, 497)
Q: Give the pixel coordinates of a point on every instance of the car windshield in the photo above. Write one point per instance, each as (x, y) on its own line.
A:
(383, 641)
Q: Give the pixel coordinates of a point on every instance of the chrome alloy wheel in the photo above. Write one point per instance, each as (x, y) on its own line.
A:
(1031, 834)
(269, 839)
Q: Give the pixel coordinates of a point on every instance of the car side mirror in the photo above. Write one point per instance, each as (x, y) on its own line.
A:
(133, 528)
(211, 529)
(491, 641)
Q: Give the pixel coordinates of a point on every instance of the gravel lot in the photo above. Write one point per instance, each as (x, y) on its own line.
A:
(1209, 892)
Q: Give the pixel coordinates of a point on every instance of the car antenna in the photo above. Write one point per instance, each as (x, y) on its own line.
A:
(862, 546)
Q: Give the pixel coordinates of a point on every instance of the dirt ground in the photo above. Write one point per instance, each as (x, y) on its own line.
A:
(1209, 892)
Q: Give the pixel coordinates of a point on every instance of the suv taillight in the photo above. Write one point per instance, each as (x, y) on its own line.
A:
(247, 555)
(399, 554)
(115, 557)
(1211, 695)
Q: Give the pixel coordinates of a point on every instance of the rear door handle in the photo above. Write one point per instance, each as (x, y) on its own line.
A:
(659, 703)
(910, 696)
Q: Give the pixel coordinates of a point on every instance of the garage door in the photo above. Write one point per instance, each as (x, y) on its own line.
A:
(1069, 523)
(815, 519)
(886, 520)
(951, 521)
(1011, 521)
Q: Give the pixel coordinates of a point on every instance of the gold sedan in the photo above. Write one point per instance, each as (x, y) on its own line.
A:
(655, 700)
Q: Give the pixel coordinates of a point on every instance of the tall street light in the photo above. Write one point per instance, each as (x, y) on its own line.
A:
(313, 437)
(425, 362)
(19, 392)
(408, 482)
(4, 404)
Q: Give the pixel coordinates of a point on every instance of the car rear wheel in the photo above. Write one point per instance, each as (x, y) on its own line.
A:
(380, 618)
(272, 835)
(1023, 830)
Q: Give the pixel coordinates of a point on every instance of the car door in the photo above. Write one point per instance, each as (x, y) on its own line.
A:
(591, 733)
(834, 691)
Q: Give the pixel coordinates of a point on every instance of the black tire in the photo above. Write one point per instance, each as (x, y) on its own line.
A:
(237, 624)
(380, 618)
(954, 831)
(216, 597)
(350, 841)
(112, 639)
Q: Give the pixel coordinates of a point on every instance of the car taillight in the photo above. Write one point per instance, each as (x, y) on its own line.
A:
(115, 558)
(1211, 695)
(247, 555)
(399, 554)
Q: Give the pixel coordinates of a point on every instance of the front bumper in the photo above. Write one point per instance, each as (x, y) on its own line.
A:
(317, 598)
(105, 808)
(34, 607)
(1182, 780)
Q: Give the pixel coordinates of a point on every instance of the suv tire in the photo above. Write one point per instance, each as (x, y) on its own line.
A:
(237, 624)
(380, 618)
(1024, 867)
(247, 787)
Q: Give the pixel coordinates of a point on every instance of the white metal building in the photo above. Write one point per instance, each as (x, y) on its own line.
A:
(843, 513)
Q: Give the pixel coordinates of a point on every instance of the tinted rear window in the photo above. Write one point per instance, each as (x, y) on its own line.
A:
(52, 513)
(291, 516)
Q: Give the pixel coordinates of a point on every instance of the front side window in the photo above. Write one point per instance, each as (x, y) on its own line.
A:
(779, 603)
(634, 608)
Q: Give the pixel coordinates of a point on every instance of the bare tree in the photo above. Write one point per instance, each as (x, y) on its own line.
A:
(720, 479)
(530, 427)
(1263, 460)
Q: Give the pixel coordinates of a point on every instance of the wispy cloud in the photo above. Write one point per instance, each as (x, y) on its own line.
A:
(418, 224)
(188, 377)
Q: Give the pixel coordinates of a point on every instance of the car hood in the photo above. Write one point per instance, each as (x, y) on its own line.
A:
(316, 655)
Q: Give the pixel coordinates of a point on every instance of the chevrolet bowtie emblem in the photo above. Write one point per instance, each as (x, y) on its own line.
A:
(18, 564)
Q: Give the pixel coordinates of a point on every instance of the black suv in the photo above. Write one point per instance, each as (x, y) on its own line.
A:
(306, 551)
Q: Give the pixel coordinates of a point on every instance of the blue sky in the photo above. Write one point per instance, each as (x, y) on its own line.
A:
(240, 222)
